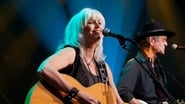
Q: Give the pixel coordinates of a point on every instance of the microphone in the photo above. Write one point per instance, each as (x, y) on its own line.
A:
(107, 32)
(177, 47)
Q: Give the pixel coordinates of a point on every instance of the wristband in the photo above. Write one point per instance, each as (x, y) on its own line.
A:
(72, 93)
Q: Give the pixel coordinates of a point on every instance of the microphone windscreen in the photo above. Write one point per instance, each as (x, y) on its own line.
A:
(106, 31)
(174, 46)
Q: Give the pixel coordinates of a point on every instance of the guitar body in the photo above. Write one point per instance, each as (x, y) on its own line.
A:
(42, 95)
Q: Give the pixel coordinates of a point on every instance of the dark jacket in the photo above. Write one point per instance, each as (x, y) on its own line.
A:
(136, 81)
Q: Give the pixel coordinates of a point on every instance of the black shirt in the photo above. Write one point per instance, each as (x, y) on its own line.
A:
(79, 71)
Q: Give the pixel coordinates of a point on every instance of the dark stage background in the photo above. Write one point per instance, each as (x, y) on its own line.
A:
(31, 29)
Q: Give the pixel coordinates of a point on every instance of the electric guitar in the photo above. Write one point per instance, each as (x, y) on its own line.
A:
(42, 94)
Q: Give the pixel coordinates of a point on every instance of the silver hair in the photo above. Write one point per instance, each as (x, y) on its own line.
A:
(74, 31)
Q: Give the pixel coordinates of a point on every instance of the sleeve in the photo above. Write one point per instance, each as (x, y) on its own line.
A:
(128, 80)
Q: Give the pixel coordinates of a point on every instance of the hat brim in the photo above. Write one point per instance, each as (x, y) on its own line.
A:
(169, 34)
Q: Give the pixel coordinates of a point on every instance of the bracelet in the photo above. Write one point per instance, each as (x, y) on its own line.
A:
(72, 93)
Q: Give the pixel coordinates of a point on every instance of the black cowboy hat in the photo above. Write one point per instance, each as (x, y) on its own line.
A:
(153, 29)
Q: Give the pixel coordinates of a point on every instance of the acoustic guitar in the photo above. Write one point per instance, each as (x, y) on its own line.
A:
(42, 94)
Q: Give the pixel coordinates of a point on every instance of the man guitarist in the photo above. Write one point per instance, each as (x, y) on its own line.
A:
(81, 57)
(143, 77)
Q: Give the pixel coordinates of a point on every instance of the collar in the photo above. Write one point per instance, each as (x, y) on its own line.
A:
(143, 58)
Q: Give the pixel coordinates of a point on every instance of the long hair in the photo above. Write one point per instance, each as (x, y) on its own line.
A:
(74, 32)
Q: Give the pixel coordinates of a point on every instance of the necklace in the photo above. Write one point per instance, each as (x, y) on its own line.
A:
(89, 69)
(88, 63)
(90, 66)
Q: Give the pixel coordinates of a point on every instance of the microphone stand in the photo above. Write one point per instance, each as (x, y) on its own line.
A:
(122, 44)
(122, 40)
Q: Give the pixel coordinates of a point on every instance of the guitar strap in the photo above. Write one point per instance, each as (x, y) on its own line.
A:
(103, 72)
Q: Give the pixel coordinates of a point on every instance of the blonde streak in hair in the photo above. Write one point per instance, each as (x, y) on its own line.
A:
(81, 47)
(99, 51)
(99, 55)
(81, 35)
